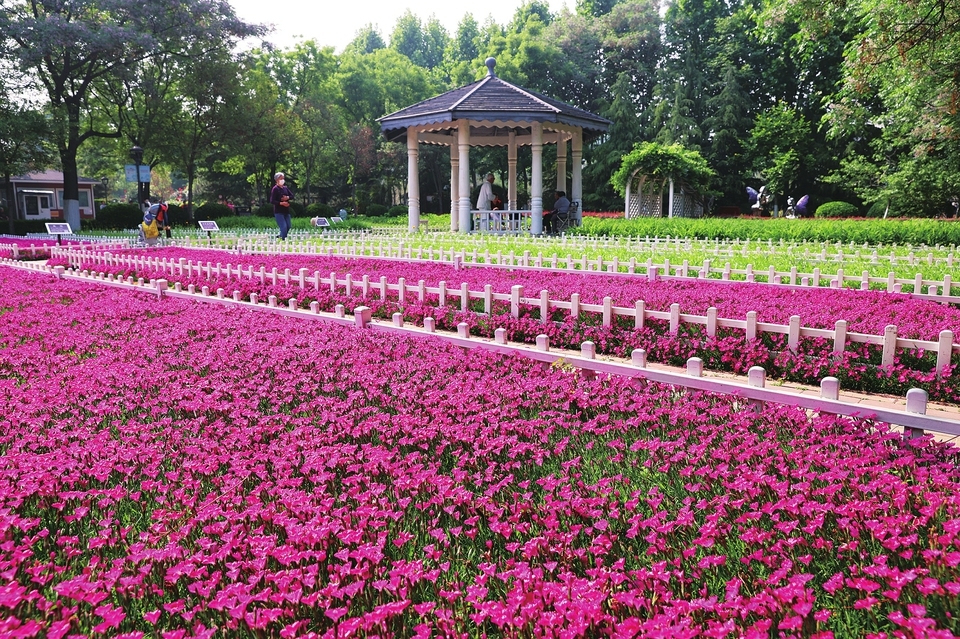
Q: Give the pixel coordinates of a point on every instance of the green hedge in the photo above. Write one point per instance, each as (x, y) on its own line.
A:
(296, 210)
(22, 227)
(320, 210)
(889, 231)
(836, 209)
(118, 216)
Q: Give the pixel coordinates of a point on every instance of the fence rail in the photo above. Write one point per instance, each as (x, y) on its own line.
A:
(889, 341)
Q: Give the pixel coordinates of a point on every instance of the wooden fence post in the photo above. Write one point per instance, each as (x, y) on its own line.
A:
(639, 358)
(751, 330)
(917, 404)
(793, 337)
(674, 318)
(516, 292)
(830, 388)
(889, 345)
(944, 351)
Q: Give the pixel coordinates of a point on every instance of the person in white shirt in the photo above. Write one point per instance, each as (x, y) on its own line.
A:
(485, 200)
(485, 203)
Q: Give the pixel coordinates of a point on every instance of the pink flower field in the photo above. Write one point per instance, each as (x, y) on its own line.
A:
(171, 469)
(858, 369)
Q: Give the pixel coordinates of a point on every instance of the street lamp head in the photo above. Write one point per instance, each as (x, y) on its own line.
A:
(137, 154)
(104, 181)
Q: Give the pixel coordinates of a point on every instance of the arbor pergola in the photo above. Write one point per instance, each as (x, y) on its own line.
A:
(492, 112)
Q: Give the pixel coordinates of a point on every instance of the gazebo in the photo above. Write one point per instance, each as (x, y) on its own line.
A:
(492, 112)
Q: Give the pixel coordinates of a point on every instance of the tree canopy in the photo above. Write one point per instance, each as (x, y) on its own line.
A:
(853, 100)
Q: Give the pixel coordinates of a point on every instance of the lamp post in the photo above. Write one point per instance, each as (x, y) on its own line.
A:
(106, 194)
(136, 153)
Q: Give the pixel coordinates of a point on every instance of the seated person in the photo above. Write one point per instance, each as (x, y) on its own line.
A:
(560, 210)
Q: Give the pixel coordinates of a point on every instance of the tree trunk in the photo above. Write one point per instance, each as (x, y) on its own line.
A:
(11, 202)
(68, 161)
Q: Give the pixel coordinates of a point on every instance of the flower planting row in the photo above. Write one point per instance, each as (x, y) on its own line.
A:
(893, 270)
(546, 307)
(37, 249)
(170, 469)
(724, 344)
(940, 290)
(914, 420)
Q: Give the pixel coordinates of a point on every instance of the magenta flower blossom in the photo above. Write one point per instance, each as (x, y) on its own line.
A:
(176, 469)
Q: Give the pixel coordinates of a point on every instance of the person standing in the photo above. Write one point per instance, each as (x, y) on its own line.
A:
(485, 202)
(280, 197)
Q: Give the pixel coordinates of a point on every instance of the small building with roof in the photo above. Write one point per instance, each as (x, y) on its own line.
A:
(493, 112)
(39, 196)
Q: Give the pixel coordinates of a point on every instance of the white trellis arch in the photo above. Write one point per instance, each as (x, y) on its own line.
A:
(644, 198)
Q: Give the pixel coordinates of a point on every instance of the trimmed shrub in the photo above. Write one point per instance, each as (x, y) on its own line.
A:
(398, 211)
(320, 210)
(213, 211)
(837, 209)
(376, 210)
(22, 227)
(266, 210)
(119, 216)
(177, 215)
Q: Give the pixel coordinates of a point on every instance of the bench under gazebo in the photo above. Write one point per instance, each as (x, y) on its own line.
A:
(492, 112)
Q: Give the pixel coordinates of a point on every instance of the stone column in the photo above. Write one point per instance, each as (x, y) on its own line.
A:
(576, 177)
(561, 162)
(413, 181)
(464, 190)
(536, 179)
(512, 171)
(454, 187)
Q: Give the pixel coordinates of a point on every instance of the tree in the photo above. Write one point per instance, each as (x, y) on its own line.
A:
(604, 160)
(24, 146)
(728, 124)
(367, 40)
(208, 109)
(73, 45)
(896, 112)
(782, 149)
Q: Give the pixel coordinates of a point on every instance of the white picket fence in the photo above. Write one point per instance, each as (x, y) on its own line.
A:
(914, 420)
(31, 251)
(365, 286)
(925, 288)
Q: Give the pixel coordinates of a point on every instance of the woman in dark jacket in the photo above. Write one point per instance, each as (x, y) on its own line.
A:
(280, 197)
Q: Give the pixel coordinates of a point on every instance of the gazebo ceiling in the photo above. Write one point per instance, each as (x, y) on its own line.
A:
(497, 106)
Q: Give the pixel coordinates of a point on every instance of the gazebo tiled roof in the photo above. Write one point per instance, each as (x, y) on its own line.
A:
(489, 99)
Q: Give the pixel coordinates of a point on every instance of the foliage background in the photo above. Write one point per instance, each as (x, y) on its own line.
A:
(854, 100)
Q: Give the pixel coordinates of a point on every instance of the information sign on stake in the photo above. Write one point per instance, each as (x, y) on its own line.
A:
(209, 226)
(322, 222)
(336, 219)
(58, 229)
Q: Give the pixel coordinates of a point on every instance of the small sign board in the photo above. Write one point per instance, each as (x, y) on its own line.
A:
(322, 221)
(208, 225)
(336, 219)
(130, 171)
(59, 228)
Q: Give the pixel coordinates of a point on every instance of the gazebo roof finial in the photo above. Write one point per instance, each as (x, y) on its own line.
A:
(491, 62)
